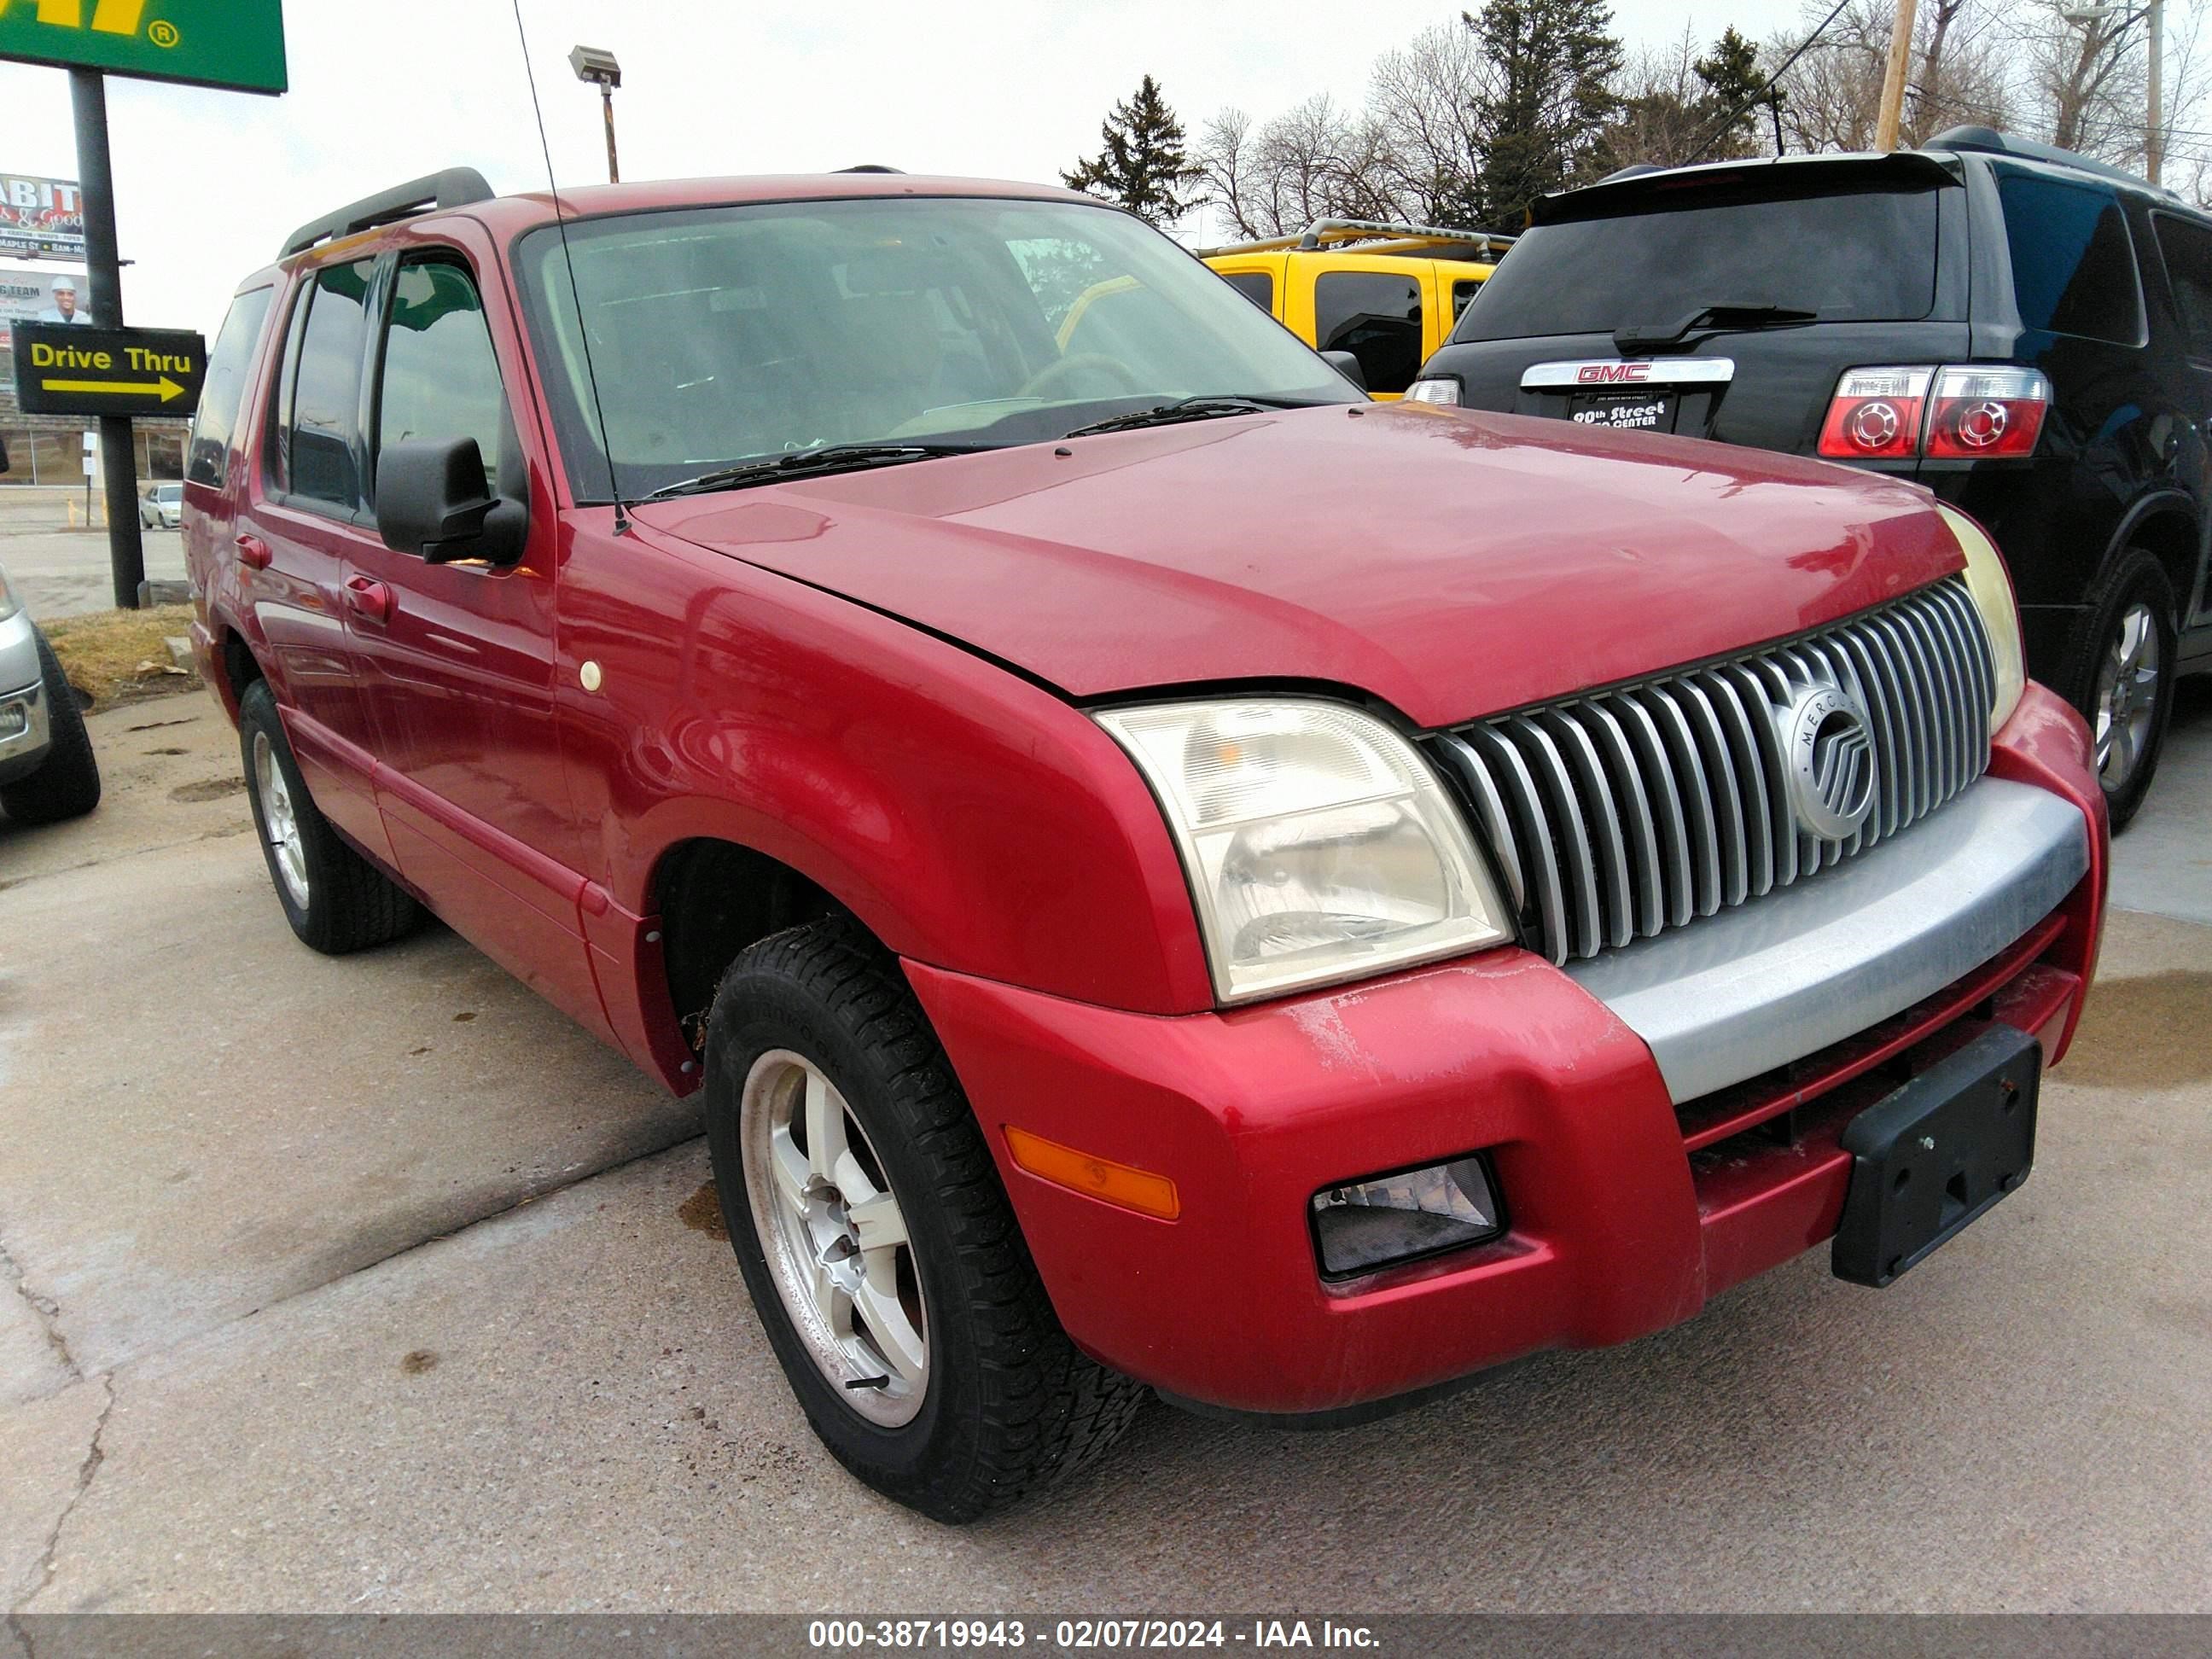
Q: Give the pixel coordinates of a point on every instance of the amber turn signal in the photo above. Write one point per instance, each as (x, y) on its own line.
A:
(1093, 1176)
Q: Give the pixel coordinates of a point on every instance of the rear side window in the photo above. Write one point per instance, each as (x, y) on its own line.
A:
(1845, 256)
(318, 428)
(1257, 286)
(1374, 316)
(223, 392)
(440, 377)
(2187, 249)
(2073, 266)
(1463, 292)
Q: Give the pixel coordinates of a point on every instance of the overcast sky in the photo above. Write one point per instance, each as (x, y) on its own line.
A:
(209, 183)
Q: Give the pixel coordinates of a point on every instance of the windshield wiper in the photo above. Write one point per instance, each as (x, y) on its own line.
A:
(1206, 407)
(1725, 314)
(800, 463)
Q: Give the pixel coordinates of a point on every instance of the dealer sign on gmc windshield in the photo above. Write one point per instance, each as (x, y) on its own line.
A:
(1126, 935)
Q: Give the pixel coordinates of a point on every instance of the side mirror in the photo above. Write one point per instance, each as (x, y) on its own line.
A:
(432, 501)
(1346, 365)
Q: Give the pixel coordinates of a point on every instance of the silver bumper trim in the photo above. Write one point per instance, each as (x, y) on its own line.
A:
(36, 731)
(1742, 992)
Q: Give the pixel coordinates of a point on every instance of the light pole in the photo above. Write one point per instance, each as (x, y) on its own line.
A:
(597, 66)
(2154, 116)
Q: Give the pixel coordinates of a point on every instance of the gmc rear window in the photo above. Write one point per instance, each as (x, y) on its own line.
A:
(1847, 256)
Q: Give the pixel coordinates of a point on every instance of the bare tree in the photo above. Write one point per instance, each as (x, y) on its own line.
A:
(1422, 98)
(1833, 92)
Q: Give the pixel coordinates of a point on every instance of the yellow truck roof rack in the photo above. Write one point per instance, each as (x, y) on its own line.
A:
(1388, 237)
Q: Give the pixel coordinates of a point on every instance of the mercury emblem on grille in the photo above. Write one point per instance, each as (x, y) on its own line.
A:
(1831, 761)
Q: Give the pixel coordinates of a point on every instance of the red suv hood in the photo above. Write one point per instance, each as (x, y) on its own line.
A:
(1452, 564)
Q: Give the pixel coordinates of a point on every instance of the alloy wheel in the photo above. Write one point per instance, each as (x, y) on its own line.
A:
(2127, 695)
(280, 821)
(834, 1237)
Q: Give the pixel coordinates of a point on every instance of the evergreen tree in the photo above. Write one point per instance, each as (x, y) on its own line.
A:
(1144, 165)
(1540, 122)
(1733, 83)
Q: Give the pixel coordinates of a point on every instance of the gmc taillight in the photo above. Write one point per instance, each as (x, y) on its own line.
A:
(1957, 412)
(1986, 411)
(1876, 415)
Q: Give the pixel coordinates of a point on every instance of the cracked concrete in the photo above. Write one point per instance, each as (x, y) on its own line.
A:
(34, 1356)
(50, 1449)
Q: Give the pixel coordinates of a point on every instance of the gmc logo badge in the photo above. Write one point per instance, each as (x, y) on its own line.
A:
(1612, 374)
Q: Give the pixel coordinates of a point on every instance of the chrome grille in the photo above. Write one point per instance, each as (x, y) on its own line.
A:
(1616, 816)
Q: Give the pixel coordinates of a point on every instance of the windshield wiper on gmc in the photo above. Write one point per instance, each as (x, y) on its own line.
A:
(1725, 314)
(801, 463)
(1204, 407)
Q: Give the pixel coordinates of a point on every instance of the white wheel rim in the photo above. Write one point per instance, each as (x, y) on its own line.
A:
(2127, 695)
(280, 822)
(835, 1238)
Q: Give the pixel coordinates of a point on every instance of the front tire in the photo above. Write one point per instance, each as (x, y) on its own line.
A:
(336, 900)
(883, 1257)
(2120, 673)
(67, 783)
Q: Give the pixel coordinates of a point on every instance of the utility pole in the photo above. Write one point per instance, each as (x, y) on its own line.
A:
(1892, 80)
(2154, 121)
(126, 552)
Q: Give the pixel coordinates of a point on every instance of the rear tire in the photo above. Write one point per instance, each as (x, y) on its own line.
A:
(336, 900)
(67, 783)
(2120, 672)
(987, 1399)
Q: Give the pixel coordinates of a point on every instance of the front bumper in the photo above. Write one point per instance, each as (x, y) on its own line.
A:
(26, 728)
(1629, 1208)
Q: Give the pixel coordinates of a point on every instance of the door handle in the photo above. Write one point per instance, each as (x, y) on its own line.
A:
(254, 553)
(372, 600)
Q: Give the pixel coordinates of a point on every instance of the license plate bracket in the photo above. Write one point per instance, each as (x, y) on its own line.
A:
(1935, 1155)
(1650, 410)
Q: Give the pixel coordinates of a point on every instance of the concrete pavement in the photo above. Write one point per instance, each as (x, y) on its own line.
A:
(323, 1297)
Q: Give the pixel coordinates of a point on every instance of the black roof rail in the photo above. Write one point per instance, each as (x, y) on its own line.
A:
(1989, 141)
(454, 187)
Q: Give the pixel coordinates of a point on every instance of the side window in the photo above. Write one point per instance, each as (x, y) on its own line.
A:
(2073, 265)
(1257, 286)
(1463, 292)
(2187, 247)
(319, 432)
(223, 392)
(1374, 316)
(440, 378)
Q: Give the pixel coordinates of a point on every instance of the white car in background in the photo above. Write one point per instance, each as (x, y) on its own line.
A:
(47, 770)
(162, 507)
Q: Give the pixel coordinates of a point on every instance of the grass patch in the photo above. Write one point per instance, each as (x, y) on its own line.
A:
(118, 656)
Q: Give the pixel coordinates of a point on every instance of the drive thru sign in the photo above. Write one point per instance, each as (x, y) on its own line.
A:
(61, 369)
(206, 43)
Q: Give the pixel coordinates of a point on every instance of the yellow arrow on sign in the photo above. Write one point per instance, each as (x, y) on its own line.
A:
(164, 388)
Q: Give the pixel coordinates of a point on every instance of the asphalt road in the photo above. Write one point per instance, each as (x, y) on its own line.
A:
(374, 1285)
(58, 571)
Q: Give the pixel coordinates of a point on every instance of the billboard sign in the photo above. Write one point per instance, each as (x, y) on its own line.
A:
(238, 44)
(40, 215)
(36, 297)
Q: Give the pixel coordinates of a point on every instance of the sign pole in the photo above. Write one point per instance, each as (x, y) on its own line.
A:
(126, 553)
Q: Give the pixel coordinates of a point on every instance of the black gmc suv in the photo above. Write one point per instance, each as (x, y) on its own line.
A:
(2027, 332)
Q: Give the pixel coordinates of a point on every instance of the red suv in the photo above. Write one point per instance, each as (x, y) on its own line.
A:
(1126, 927)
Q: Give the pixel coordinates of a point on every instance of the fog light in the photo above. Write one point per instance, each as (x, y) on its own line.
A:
(1362, 1225)
(15, 720)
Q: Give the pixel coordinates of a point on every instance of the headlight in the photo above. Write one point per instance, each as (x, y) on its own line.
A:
(9, 606)
(1319, 845)
(1991, 588)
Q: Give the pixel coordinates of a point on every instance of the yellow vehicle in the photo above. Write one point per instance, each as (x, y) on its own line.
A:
(1387, 294)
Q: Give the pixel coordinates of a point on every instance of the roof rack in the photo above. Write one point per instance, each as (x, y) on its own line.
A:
(1324, 231)
(454, 187)
(1989, 141)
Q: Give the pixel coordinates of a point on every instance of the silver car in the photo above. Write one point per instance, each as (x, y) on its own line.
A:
(47, 771)
(162, 507)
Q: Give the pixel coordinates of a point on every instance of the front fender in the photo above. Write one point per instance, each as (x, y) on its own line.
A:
(971, 819)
